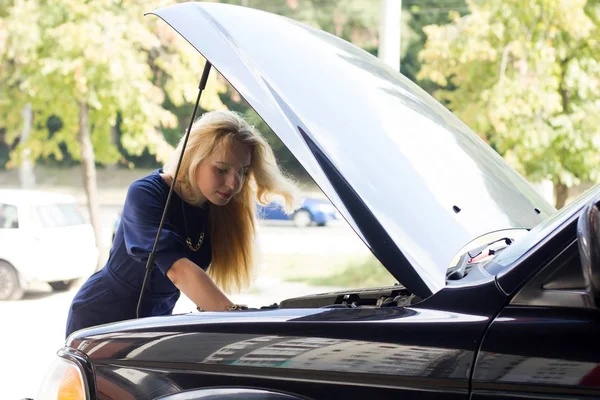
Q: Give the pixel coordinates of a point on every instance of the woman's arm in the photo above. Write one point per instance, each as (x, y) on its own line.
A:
(197, 286)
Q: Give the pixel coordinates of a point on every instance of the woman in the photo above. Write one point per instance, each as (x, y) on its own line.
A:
(207, 240)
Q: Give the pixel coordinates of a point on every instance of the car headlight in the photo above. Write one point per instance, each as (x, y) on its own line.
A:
(65, 380)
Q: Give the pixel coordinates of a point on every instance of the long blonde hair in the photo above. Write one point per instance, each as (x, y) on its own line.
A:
(232, 226)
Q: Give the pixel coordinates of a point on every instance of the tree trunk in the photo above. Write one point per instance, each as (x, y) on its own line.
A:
(562, 193)
(89, 172)
(560, 189)
(112, 168)
(26, 172)
(113, 135)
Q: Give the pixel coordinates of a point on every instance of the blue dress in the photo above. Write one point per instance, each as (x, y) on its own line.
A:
(111, 294)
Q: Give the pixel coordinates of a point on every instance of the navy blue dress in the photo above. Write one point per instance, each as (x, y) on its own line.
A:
(111, 294)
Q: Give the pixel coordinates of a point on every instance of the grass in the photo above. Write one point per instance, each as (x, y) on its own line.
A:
(364, 274)
(300, 265)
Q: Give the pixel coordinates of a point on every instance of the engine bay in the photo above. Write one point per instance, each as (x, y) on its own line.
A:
(389, 296)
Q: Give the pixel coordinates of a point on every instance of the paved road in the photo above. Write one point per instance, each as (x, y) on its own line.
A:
(33, 328)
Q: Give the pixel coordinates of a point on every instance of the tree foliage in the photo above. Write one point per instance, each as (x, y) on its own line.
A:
(417, 15)
(90, 64)
(527, 78)
(57, 53)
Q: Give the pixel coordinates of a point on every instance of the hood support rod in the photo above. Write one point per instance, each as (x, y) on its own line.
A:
(150, 262)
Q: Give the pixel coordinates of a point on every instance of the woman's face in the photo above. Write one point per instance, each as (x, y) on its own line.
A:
(220, 176)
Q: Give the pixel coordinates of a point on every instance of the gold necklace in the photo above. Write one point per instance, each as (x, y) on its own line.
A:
(201, 238)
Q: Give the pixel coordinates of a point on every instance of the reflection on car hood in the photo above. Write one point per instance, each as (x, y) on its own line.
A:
(412, 180)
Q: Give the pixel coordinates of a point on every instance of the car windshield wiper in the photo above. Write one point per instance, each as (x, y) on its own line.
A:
(460, 270)
(477, 250)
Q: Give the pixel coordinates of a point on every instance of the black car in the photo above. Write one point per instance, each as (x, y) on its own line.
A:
(497, 293)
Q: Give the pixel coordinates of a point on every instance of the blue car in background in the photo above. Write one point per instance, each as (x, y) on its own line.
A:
(312, 211)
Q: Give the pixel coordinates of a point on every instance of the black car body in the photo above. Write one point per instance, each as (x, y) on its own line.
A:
(498, 292)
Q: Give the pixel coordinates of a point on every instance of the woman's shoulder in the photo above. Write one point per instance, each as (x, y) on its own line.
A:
(151, 186)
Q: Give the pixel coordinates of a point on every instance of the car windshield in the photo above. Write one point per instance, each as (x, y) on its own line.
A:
(58, 215)
(8, 217)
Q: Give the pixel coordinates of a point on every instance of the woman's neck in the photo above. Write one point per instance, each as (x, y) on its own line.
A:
(201, 202)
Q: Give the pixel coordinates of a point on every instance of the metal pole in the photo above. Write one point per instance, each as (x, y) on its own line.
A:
(150, 262)
(389, 33)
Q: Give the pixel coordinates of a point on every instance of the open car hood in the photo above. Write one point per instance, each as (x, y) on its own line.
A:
(411, 179)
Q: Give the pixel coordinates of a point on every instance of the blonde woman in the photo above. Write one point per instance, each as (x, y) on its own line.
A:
(207, 243)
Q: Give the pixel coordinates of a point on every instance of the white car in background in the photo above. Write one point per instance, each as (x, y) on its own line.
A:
(43, 238)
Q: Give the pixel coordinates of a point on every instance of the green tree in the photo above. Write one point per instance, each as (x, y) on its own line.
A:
(85, 63)
(417, 15)
(527, 78)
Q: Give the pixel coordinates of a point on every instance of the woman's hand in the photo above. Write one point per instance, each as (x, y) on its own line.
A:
(197, 286)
